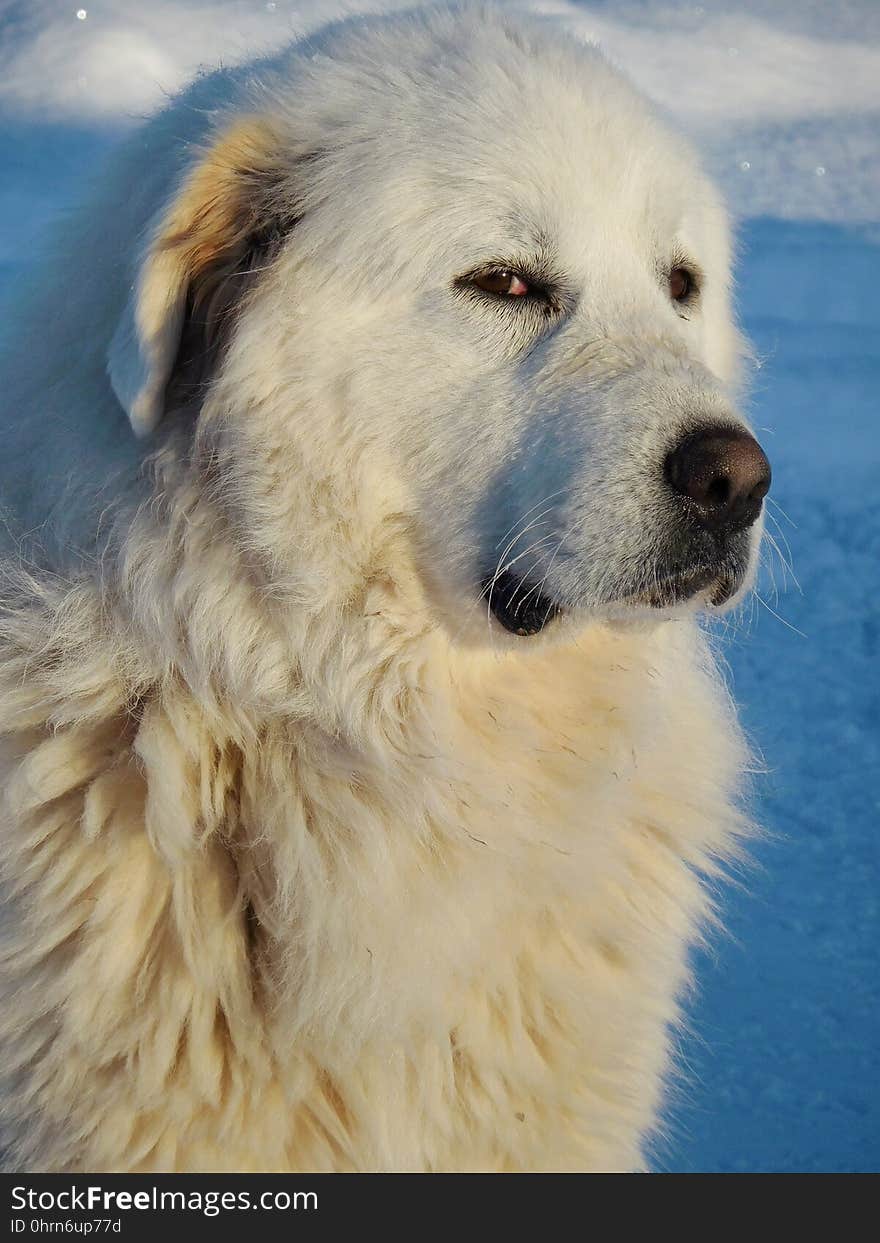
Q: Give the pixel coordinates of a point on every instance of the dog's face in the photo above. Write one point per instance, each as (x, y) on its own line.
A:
(485, 269)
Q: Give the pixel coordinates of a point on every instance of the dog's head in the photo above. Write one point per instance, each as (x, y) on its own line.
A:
(446, 275)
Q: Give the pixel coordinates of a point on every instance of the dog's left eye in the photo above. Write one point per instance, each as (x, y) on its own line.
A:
(681, 284)
(503, 282)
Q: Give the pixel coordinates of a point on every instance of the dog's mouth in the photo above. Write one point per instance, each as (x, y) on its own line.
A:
(520, 606)
(523, 608)
(715, 584)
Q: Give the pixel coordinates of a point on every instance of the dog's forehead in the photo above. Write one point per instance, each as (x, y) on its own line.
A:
(581, 198)
(475, 143)
(510, 146)
(531, 194)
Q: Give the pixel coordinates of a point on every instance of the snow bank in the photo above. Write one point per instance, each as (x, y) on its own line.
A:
(781, 96)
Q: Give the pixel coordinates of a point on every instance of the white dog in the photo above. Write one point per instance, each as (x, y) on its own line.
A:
(363, 761)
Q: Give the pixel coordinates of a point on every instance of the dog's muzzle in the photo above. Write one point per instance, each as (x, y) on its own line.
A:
(719, 476)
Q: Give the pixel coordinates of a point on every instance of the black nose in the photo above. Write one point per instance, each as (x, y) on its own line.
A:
(724, 474)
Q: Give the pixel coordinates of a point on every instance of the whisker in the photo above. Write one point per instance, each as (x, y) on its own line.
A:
(772, 500)
(789, 560)
(506, 566)
(539, 521)
(523, 517)
(562, 540)
(763, 602)
(786, 565)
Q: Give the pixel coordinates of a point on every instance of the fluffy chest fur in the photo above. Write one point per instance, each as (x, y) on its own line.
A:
(459, 948)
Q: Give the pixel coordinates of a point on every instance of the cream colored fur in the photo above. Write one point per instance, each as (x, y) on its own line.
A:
(308, 865)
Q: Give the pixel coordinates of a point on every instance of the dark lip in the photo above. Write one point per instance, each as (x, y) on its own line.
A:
(719, 582)
(523, 609)
(517, 604)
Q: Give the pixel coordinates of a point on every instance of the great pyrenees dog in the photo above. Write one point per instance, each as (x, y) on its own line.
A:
(370, 452)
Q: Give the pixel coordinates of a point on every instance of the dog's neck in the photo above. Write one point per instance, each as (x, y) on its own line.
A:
(363, 879)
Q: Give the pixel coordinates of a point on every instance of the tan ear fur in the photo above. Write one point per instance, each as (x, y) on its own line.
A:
(230, 195)
(228, 216)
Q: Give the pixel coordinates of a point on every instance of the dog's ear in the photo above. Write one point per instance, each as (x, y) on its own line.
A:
(225, 221)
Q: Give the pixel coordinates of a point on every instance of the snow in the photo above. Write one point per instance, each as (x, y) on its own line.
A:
(784, 1053)
(782, 1062)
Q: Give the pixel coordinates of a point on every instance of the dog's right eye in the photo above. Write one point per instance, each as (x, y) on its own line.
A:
(503, 282)
(505, 285)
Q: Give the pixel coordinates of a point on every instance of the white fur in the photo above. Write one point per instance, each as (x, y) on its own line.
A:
(309, 864)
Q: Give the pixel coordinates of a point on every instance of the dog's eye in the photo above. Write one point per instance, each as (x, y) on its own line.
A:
(681, 284)
(501, 281)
